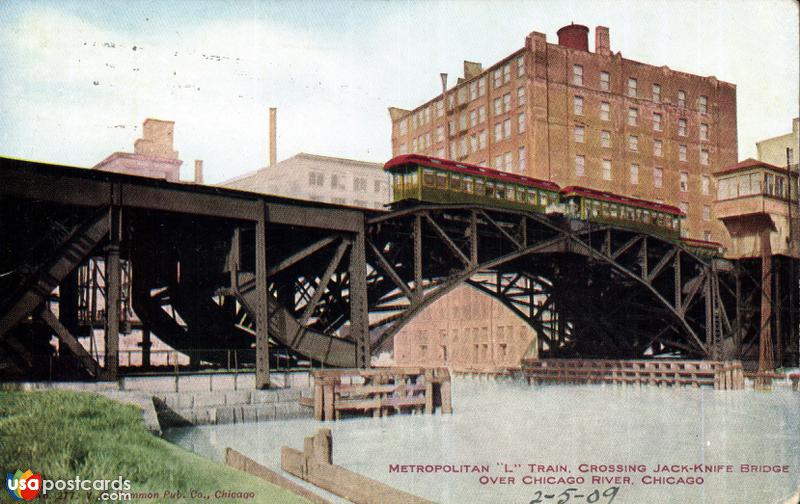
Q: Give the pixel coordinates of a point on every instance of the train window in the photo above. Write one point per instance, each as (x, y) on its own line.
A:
(510, 193)
(468, 184)
(629, 214)
(614, 212)
(479, 190)
(490, 189)
(501, 191)
(604, 210)
(455, 182)
(595, 208)
(520, 192)
(660, 219)
(413, 179)
(646, 217)
(441, 180)
(543, 199)
(531, 199)
(675, 223)
(428, 178)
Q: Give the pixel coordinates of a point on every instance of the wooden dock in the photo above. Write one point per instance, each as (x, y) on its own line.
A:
(722, 375)
(380, 392)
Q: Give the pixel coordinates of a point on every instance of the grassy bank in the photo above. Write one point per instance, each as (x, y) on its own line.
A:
(69, 434)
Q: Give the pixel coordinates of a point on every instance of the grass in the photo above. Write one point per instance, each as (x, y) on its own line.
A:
(68, 434)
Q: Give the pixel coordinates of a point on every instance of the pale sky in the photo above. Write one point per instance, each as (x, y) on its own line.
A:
(79, 78)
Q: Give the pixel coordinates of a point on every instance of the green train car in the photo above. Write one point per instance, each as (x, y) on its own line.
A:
(433, 180)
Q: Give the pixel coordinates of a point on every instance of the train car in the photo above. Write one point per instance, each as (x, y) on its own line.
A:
(434, 180)
(703, 248)
(642, 215)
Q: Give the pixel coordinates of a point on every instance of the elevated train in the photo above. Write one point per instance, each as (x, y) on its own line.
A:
(432, 180)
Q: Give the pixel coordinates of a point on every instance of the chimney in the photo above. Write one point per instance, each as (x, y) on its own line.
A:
(574, 36)
(602, 41)
(472, 69)
(198, 171)
(273, 148)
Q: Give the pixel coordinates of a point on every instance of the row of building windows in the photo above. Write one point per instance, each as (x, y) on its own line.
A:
(632, 89)
(658, 175)
(360, 184)
(465, 94)
(579, 135)
(633, 118)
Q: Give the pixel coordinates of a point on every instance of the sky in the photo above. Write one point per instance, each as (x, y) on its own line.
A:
(79, 78)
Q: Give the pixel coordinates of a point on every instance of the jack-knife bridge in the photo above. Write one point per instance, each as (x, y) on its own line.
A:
(210, 268)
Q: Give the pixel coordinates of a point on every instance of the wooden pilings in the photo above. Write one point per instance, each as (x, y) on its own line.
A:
(380, 392)
(727, 375)
(315, 465)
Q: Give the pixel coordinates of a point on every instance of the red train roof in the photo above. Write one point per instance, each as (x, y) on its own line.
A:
(624, 200)
(469, 169)
(701, 243)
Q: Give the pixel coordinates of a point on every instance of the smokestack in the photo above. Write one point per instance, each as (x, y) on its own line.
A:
(198, 171)
(602, 41)
(273, 150)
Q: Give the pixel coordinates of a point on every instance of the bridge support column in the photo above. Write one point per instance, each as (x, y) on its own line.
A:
(359, 319)
(262, 301)
(113, 292)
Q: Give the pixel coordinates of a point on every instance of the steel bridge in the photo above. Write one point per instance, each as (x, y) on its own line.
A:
(211, 268)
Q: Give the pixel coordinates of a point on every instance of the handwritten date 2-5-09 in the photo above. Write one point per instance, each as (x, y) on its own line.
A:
(575, 495)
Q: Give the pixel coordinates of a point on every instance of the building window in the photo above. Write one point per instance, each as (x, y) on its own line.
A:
(413, 145)
(703, 131)
(498, 78)
(473, 90)
(498, 131)
(702, 104)
(402, 127)
(706, 213)
(656, 122)
(633, 142)
(498, 106)
(682, 153)
(658, 177)
(507, 102)
(580, 165)
(605, 81)
(482, 140)
(453, 149)
(580, 132)
(633, 116)
(439, 108)
(521, 95)
(634, 174)
(463, 95)
(577, 75)
(682, 127)
(473, 143)
(440, 152)
(704, 156)
(605, 111)
(656, 93)
(521, 122)
(632, 83)
(462, 122)
(462, 147)
(403, 149)
(473, 118)
(378, 186)
(706, 184)
(506, 73)
(316, 179)
(335, 182)
(577, 105)
(605, 139)
(790, 155)
(681, 98)
(440, 133)
(520, 66)
(522, 160)
(657, 147)
(482, 86)
(684, 182)
(507, 128)
(707, 236)
(606, 169)
(481, 114)
(508, 161)
(360, 184)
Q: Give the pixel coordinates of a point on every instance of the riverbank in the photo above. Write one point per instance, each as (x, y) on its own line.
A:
(67, 434)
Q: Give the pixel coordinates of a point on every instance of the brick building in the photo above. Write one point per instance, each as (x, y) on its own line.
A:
(465, 329)
(560, 112)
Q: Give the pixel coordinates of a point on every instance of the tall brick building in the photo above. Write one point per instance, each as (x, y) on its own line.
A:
(560, 112)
